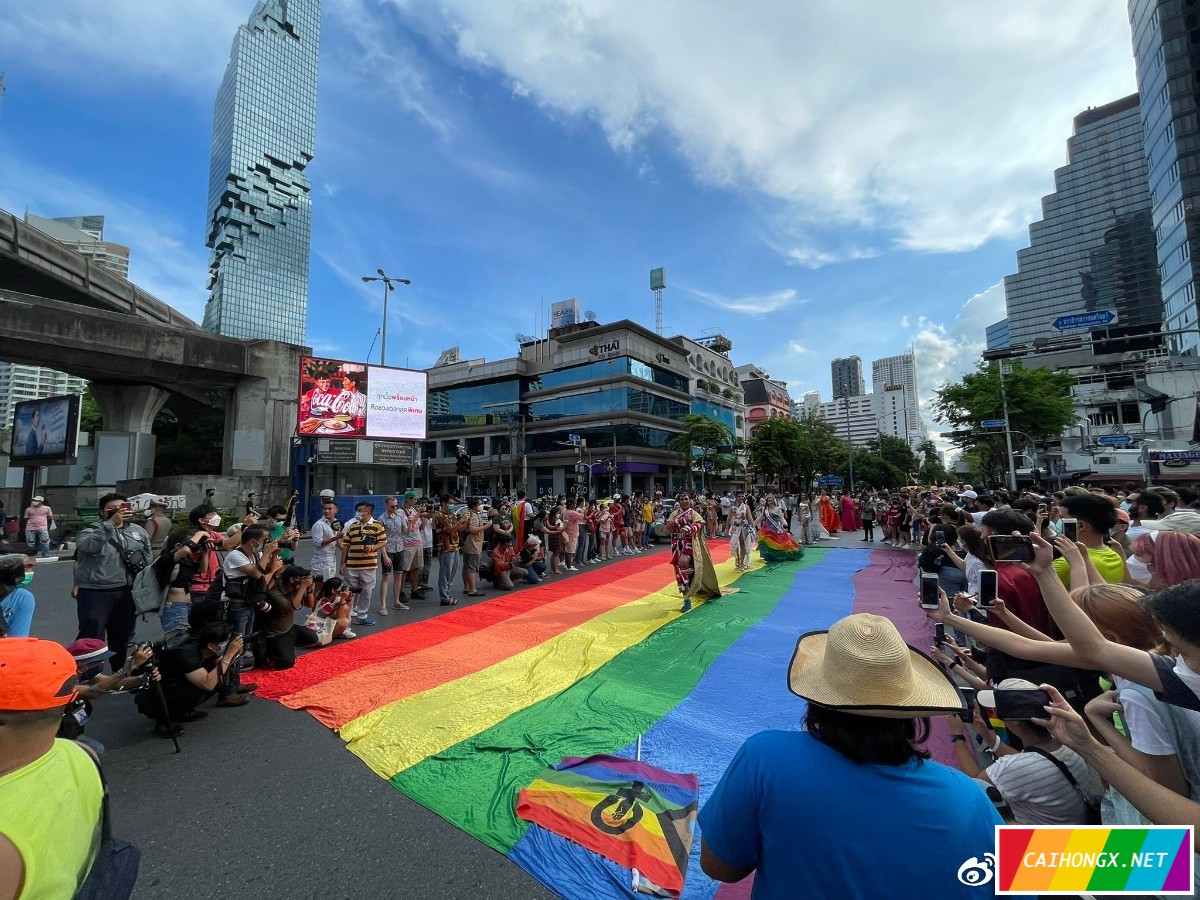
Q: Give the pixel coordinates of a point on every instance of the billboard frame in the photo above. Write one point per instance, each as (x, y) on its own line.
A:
(69, 454)
(366, 370)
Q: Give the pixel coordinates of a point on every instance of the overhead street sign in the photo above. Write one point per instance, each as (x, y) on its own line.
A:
(830, 480)
(993, 423)
(1114, 440)
(573, 438)
(1098, 319)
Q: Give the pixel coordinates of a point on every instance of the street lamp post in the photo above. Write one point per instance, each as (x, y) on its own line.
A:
(389, 284)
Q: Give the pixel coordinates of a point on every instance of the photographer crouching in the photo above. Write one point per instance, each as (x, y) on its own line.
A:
(287, 592)
(192, 670)
(90, 655)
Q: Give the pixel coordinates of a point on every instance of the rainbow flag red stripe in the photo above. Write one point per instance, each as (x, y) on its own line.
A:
(463, 711)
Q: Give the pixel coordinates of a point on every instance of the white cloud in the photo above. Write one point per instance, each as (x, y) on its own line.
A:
(947, 352)
(797, 348)
(936, 127)
(98, 46)
(752, 305)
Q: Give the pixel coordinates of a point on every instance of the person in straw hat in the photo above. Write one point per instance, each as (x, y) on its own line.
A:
(852, 806)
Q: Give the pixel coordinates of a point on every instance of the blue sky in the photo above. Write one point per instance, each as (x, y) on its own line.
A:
(819, 182)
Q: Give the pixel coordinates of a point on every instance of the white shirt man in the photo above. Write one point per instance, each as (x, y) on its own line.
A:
(325, 533)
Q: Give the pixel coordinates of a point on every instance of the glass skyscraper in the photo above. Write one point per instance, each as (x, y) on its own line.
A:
(1166, 50)
(1094, 248)
(259, 209)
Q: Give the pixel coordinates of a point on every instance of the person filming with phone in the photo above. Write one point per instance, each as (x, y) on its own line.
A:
(1089, 520)
(1044, 782)
(111, 553)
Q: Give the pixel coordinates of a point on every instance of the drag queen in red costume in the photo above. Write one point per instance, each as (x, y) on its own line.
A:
(694, 571)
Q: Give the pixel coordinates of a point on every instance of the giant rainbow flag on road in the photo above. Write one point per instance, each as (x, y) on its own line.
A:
(463, 711)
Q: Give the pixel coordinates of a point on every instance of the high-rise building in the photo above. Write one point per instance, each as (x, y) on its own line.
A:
(1094, 248)
(259, 209)
(1166, 45)
(20, 382)
(901, 372)
(848, 377)
(85, 235)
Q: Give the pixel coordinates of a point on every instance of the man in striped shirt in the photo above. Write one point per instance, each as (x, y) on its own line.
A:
(361, 542)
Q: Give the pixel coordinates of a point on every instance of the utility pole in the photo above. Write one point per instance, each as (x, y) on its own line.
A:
(1006, 369)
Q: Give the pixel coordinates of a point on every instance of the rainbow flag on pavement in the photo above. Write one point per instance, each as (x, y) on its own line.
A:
(463, 711)
(636, 815)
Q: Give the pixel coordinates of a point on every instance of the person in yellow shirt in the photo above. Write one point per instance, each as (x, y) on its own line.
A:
(51, 795)
(1095, 517)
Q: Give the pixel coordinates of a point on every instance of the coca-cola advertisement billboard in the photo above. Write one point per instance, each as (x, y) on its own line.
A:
(355, 400)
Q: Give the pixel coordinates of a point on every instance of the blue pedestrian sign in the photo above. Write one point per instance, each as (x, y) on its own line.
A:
(830, 481)
(1114, 440)
(573, 438)
(993, 423)
(1098, 319)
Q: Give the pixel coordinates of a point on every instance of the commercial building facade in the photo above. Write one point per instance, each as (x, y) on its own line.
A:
(847, 377)
(1094, 247)
(900, 371)
(766, 398)
(259, 208)
(1166, 51)
(621, 390)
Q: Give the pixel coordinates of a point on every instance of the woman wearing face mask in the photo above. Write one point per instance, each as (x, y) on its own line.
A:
(208, 541)
(1165, 558)
(16, 603)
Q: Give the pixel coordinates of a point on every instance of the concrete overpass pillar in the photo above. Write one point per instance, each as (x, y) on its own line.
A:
(260, 415)
(129, 407)
(125, 448)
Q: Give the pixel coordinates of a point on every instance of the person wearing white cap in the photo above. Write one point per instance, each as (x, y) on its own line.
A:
(852, 806)
(39, 521)
(1034, 781)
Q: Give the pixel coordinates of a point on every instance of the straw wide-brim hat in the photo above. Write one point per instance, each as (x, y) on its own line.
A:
(861, 665)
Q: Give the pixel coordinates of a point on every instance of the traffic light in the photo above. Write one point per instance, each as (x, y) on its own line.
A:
(463, 465)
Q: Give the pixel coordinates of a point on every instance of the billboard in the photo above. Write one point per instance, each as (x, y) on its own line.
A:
(45, 431)
(658, 279)
(564, 313)
(355, 400)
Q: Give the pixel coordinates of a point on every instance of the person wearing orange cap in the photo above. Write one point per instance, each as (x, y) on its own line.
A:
(51, 795)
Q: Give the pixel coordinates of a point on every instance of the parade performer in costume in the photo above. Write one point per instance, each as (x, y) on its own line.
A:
(849, 514)
(829, 516)
(804, 514)
(775, 542)
(741, 531)
(694, 571)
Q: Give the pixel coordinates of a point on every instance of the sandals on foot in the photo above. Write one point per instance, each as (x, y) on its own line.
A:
(475, 594)
(453, 601)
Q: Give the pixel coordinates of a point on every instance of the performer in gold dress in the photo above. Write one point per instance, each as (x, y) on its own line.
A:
(694, 571)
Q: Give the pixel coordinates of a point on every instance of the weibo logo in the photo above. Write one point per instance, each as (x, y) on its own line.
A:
(976, 873)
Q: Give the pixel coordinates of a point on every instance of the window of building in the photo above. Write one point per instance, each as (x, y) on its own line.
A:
(1174, 171)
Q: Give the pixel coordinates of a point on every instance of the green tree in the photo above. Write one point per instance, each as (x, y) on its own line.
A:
(89, 412)
(932, 471)
(821, 450)
(1039, 406)
(894, 450)
(706, 435)
(190, 436)
(776, 448)
(871, 470)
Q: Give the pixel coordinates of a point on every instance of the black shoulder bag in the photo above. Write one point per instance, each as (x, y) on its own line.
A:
(1093, 807)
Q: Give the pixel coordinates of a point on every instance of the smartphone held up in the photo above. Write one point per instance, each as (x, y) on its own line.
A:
(929, 590)
(1011, 548)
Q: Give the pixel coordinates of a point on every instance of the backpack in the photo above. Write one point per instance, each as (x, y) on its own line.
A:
(931, 559)
(149, 596)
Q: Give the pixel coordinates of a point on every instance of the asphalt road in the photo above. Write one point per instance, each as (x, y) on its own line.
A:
(266, 802)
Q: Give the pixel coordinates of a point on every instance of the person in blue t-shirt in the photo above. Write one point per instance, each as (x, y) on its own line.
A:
(853, 807)
(16, 603)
